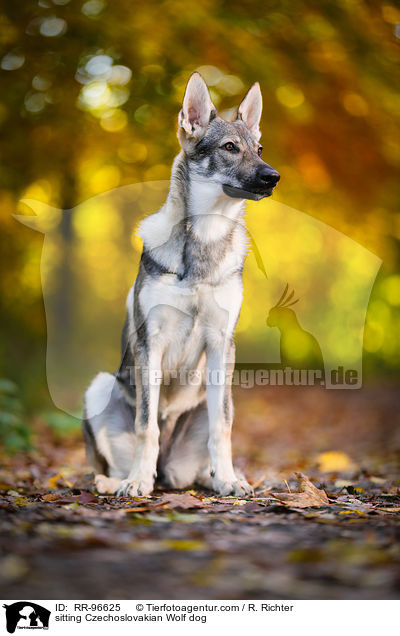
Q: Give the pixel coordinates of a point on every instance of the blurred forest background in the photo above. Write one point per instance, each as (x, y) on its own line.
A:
(89, 102)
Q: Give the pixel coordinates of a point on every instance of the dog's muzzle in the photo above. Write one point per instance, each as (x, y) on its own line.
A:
(262, 186)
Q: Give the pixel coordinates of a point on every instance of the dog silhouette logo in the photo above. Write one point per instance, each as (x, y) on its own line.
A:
(90, 253)
(26, 615)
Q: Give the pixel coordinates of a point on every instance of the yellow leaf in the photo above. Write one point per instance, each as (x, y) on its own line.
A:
(184, 545)
(20, 501)
(390, 509)
(352, 512)
(334, 461)
(53, 480)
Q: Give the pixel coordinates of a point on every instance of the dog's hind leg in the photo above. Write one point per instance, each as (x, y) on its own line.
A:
(187, 461)
(109, 432)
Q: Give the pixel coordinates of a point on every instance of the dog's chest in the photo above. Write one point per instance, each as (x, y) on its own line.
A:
(199, 305)
(193, 317)
(183, 319)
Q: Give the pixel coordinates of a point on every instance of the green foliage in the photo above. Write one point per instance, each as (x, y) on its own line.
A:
(61, 423)
(14, 429)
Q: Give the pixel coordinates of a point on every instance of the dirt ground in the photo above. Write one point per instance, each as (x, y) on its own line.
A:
(61, 540)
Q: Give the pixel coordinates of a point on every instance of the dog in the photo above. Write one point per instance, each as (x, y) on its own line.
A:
(150, 419)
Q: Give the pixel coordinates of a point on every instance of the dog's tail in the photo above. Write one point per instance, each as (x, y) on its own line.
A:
(93, 455)
(108, 426)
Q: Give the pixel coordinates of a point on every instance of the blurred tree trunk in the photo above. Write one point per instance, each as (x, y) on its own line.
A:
(64, 301)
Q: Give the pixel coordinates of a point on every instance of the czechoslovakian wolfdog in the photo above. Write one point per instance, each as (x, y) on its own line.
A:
(182, 310)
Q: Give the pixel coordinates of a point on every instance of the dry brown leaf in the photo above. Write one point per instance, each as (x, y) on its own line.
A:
(82, 498)
(259, 481)
(354, 504)
(184, 501)
(308, 495)
(137, 509)
(51, 497)
(86, 497)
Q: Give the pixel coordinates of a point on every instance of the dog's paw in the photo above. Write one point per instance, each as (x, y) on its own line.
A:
(236, 488)
(106, 485)
(135, 488)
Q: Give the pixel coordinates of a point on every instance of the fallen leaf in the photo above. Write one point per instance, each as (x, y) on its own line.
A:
(138, 509)
(20, 501)
(252, 506)
(184, 545)
(82, 498)
(53, 480)
(353, 511)
(86, 497)
(309, 495)
(353, 503)
(396, 509)
(66, 499)
(174, 501)
(219, 507)
(260, 481)
(334, 461)
(51, 496)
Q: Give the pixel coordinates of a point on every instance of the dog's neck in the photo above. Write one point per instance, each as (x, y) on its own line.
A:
(198, 217)
(212, 213)
(202, 203)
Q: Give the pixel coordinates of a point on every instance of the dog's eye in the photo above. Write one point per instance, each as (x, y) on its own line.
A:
(260, 151)
(229, 146)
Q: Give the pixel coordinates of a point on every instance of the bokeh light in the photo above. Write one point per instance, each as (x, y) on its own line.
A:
(91, 94)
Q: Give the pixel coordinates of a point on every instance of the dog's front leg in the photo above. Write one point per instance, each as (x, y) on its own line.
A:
(140, 480)
(220, 362)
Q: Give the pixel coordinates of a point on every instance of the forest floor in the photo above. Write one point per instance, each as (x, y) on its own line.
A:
(59, 539)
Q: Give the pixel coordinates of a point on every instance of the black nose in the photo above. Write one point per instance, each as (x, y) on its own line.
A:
(268, 176)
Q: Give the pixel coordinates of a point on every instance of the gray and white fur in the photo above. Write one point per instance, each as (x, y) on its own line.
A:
(150, 419)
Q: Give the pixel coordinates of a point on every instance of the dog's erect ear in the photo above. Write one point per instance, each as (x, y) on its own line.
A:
(197, 107)
(250, 110)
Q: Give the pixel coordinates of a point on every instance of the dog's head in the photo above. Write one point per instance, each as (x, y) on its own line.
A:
(225, 152)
